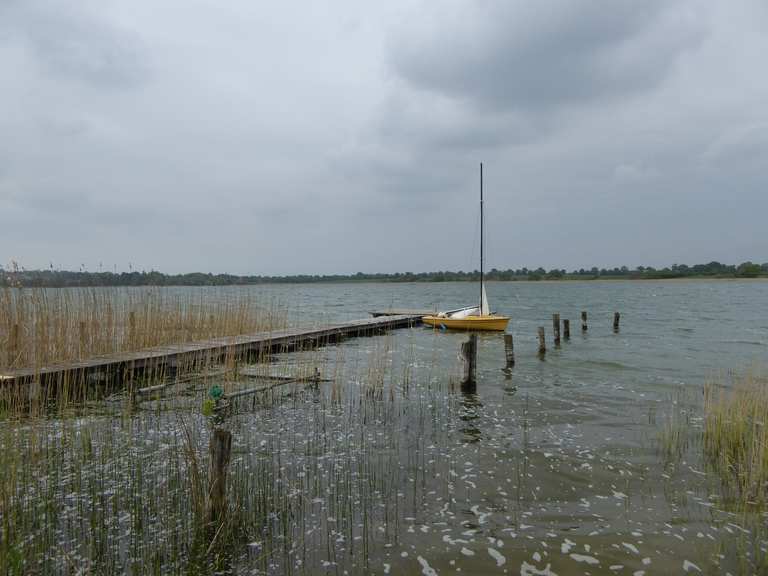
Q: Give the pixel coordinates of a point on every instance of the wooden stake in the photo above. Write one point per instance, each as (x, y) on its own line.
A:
(542, 342)
(556, 328)
(509, 351)
(583, 320)
(220, 449)
(566, 329)
(616, 318)
(469, 355)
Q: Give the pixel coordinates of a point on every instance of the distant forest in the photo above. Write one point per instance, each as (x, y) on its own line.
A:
(61, 278)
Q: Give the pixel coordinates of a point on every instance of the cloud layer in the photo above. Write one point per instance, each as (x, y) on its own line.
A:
(341, 137)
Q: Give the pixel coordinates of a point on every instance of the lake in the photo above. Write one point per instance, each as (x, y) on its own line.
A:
(393, 467)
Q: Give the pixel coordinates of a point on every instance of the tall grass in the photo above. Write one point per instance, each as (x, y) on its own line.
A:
(39, 327)
(736, 435)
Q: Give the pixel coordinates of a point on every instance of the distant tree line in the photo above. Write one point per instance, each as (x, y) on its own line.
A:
(63, 278)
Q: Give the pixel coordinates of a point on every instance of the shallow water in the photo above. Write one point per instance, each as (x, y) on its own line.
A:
(554, 468)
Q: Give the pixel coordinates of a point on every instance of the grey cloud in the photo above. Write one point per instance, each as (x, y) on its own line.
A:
(273, 143)
(70, 42)
(536, 55)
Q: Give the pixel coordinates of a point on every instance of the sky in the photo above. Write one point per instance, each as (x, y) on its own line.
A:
(342, 136)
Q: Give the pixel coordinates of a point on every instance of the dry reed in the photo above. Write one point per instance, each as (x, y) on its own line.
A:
(39, 327)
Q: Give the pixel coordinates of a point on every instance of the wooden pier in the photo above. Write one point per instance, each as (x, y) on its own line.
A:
(401, 312)
(117, 366)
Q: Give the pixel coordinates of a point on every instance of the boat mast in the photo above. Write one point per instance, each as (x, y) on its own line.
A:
(481, 238)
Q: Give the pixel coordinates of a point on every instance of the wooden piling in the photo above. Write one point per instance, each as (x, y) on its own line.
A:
(469, 355)
(583, 320)
(556, 328)
(566, 329)
(509, 351)
(220, 449)
(542, 342)
(616, 318)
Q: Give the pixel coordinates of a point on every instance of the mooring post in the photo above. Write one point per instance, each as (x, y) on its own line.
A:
(566, 329)
(542, 342)
(509, 351)
(583, 320)
(220, 449)
(616, 318)
(556, 328)
(469, 355)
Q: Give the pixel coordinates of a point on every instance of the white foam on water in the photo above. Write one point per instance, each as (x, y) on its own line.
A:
(426, 569)
(496, 555)
(584, 558)
(631, 547)
(688, 566)
(467, 552)
(528, 570)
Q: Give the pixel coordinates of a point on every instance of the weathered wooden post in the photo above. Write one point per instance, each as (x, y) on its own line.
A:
(542, 342)
(509, 351)
(583, 320)
(616, 318)
(556, 328)
(220, 450)
(469, 355)
(566, 329)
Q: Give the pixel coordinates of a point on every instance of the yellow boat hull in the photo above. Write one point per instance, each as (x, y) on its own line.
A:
(492, 322)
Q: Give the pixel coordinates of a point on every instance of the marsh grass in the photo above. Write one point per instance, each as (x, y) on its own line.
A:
(736, 438)
(39, 326)
(121, 487)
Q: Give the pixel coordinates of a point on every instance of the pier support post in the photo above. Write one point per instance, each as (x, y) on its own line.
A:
(220, 449)
(566, 329)
(509, 351)
(542, 342)
(616, 318)
(583, 320)
(556, 328)
(469, 355)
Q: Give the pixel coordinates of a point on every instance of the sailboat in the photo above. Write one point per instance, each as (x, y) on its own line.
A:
(473, 317)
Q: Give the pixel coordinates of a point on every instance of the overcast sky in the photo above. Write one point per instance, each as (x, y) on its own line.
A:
(331, 137)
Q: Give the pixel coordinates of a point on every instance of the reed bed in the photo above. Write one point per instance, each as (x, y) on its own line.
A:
(316, 474)
(736, 435)
(40, 326)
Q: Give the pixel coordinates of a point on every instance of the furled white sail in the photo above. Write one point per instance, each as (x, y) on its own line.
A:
(485, 309)
(472, 311)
